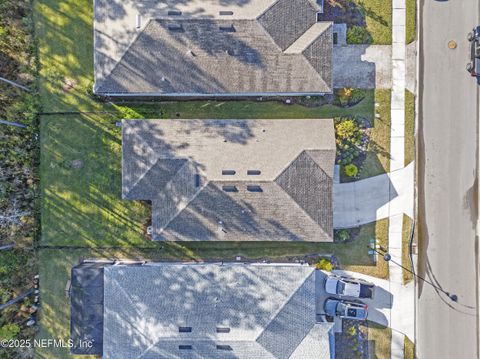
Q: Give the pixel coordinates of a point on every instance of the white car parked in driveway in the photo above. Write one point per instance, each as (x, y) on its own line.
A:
(349, 287)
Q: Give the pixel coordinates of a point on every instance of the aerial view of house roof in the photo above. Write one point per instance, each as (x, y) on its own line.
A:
(232, 180)
(215, 47)
(232, 310)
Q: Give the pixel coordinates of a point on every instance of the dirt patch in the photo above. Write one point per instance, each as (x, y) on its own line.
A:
(68, 84)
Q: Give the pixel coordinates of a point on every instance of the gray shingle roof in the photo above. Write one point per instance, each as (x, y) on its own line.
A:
(268, 309)
(202, 52)
(287, 20)
(86, 300)
(181, 169)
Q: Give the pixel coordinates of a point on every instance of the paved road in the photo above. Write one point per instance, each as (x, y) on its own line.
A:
(447, 191)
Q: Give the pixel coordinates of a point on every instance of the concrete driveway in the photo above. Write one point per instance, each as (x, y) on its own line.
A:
(374, 198)
(378, 307)
(362, 66)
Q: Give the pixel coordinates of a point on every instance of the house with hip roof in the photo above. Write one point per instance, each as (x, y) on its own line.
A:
(211, 48)
(232, 180)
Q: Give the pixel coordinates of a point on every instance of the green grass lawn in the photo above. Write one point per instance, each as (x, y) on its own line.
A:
(411, 19)
(408, 349)
(244, 109)
(81, 182)
(409, 127)
(378, 156)
(64, 31)
(407, 230)
(378, 17)
(380, 340)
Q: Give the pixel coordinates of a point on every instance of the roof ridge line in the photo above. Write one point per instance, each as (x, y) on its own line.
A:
(115, 282)
(200, 189)
(282, 307)
(330, 86)
(302, 209)
(307, 152)
(267, 9)
(313, 40)
(150, 168)
(106, 76)
(293, 199)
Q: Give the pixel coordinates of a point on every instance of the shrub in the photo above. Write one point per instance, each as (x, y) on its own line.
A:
(348, 96)
(342, 235)
(348, 136)
(346, 129)
(324, 264)
(358, 35)
(352, 331)
(9, 331)
(350, 170)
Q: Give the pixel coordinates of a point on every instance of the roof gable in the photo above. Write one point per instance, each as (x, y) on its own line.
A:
(287, 20)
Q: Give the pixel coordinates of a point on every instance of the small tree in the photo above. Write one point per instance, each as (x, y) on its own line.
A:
(342, 235)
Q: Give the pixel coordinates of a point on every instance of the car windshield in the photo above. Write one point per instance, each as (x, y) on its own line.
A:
(340, 287)
(351, 312)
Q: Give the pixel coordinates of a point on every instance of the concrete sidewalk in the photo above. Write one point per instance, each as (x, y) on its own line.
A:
(374, 198)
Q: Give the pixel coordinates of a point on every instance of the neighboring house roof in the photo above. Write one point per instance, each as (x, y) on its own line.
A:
(173, 47)
(232, 179)
(86, 300)
(226, 311)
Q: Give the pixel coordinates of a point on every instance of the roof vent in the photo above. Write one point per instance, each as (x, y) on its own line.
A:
(254, 172)
(230, 52)
(223, 330)
(227, 28)
(224, 347)
(225, 13)
(228, 172)
(174, 13)
(230, 188)
(197, 180)
(251, 188)
(185, 347)
(139, 21)
(191, 53)
(184, 329)
(175, 27)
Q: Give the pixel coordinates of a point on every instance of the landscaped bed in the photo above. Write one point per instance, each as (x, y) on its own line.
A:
(409, 127)
(364, 142)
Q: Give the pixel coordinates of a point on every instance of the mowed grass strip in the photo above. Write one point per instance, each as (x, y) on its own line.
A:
(411, 19)
(409, 127)
(243, 109)
(406, 262)
(378, 152)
